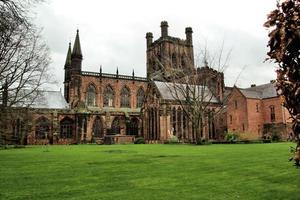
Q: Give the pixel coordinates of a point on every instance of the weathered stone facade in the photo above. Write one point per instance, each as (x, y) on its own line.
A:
(124, 107)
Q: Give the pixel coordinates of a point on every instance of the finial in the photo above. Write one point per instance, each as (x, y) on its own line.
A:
(100, 69)
(117, 71)
(132, 72)
(205, 63)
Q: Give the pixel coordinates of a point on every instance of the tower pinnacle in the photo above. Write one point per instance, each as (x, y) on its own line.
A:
(68, 58)
(77, 48)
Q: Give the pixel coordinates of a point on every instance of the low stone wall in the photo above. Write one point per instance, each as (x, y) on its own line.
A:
(118, 139)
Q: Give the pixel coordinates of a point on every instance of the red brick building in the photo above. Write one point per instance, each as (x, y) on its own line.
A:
(257, 112)
(98, 105)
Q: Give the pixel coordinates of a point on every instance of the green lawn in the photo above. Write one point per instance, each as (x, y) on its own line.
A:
(249, 171)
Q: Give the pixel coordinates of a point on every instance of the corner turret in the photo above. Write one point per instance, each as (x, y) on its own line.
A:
(164, 28)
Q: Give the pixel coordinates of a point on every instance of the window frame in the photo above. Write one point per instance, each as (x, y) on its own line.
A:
(125, 98)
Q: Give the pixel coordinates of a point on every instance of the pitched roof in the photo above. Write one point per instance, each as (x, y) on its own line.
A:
(261, 91)
(251, 94)
(167, 91)
(50, 100)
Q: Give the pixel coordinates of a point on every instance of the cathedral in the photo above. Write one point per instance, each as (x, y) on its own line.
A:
(100, 107)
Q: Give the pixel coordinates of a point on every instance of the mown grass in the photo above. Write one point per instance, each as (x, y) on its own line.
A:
(249, 171)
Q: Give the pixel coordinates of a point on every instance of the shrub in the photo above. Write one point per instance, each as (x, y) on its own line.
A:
(139, 140)
(276, 137)
(173, 140)
(19, 146)
(231, 137)
(203, 141)
(266, 141)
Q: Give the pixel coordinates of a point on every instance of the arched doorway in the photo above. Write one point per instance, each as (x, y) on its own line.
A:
(132, 127)
(98, 127)
(115, 126)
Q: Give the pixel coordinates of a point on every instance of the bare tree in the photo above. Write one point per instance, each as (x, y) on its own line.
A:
(24, 60)
(199, 91)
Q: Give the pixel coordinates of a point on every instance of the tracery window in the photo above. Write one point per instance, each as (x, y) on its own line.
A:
(109, 96)
(98, 127)
(91, 96)
(132, 127)
(19, 128)
(115, 126)
(140, 98)
(125, 97)
(66, 128)
(42, 128)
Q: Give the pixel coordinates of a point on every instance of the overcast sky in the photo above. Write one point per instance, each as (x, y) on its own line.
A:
(112, 33)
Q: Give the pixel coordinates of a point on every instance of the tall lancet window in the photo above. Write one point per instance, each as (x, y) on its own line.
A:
(91, 96)
(140, 98)
(174, 60)
(109, 96)
(125, 97)
(183, 63)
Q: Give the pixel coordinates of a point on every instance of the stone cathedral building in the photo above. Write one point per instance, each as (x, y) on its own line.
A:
(98, 106)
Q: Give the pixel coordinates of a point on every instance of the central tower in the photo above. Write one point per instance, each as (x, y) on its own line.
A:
(169, 53)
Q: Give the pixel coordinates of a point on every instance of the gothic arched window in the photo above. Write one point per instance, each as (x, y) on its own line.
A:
(109, 96)
(272, 113)
(115, 126)
(183, 62)
(125, 97)
(18, 128)
(66, 128)
(179, 122)
(98, 127)
(42, 128)
(91, 96)
(174, 121)
(132, 127)
(174, 61)
(140, 98)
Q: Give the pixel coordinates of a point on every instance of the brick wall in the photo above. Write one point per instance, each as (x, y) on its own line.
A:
(237, 112)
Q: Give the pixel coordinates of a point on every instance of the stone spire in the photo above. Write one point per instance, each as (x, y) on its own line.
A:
(76, 56)
(68, 58)
(77, 48)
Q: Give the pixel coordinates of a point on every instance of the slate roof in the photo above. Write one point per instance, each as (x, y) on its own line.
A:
(50, 100)
(167, 91)
(261, 91)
